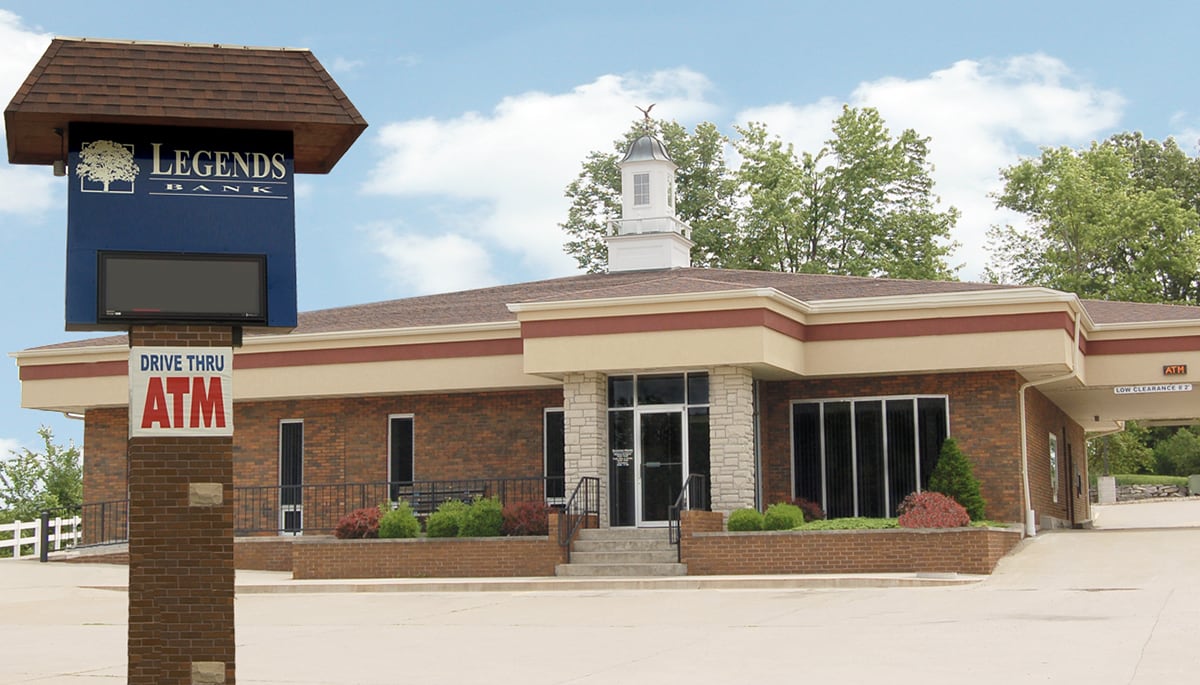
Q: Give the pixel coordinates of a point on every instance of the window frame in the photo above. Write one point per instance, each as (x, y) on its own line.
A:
(553, 499)
(641, 189)
(887, 461)
(412, 454)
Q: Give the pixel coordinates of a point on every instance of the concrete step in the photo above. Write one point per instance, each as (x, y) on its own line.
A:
(621, 570)
(623, 534)
(669, 556)
(616, 545)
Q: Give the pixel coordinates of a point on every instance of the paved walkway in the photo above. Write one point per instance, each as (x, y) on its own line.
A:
(1097, 607)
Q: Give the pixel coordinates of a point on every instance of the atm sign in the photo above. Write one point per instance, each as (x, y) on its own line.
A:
(1175, 370)
(180, 391)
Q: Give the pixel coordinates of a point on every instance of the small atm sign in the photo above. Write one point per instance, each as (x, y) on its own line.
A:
(180, 391)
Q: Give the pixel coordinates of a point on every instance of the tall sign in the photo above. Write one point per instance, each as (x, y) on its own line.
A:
(172, 224)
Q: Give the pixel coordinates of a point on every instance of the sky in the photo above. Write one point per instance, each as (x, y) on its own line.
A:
(481, 113)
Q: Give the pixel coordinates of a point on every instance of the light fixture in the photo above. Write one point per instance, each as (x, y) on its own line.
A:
(60, 164)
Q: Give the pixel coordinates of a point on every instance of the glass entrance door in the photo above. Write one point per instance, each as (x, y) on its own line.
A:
(660, 463)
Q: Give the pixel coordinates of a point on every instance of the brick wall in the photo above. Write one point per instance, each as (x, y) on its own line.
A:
(1043, 418)
(426, 557)
(983, 419)
(263, 553)
(951, 550)
(467, 435)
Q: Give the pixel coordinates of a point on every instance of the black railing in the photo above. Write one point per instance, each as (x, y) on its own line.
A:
(100, 523)
(298, 509)
(694, 495)
(583, 503)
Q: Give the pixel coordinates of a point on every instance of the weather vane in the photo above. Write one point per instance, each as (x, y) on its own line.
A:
(646, 112)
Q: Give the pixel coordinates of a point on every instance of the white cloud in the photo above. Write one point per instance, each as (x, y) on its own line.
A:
(7, 447)
(423, 264)
(515, 161)
(341, 65)
(23, 190)
(981, 116)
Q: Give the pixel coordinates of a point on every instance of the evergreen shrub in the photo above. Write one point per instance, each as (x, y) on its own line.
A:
(744, 520)
(953, 476)
(400, 522)
(485, 518)
(447, 519)
(782, 516)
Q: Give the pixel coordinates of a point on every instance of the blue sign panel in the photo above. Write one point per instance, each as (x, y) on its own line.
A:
(170, 224)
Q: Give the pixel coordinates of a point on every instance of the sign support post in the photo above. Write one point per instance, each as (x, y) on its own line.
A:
(181, 563)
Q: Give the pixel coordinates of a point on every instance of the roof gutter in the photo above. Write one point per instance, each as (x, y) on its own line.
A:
(1030, 520)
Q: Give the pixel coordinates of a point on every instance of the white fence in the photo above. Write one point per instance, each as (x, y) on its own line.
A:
(23, 539)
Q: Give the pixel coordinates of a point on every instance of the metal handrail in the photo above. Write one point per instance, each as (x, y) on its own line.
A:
(693, 495)
(584, 501)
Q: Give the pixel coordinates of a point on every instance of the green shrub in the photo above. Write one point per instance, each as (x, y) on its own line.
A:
(782, 516)
(953, 477)
(744, 520)
(400, 522)
(447, 520)
(485, 518)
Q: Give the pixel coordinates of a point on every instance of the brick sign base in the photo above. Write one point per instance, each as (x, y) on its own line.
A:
(181, 564)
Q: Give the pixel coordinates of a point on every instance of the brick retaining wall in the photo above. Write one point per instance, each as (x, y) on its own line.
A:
(426, 557)
(961, 550)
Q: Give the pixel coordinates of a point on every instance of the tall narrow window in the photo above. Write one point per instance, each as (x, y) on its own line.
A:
(641, 189)
(400, 452)
(291, 476)
(554, 448)
(1054, 466)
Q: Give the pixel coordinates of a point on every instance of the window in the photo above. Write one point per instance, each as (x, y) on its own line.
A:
(1054, 466)
(291, 476)
(861, 457)
(554, 451)
(400, 452)
(641, 189)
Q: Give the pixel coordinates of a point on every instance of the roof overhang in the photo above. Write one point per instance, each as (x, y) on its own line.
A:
(180, 84)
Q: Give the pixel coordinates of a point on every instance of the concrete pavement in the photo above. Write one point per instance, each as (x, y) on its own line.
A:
(1097, 607)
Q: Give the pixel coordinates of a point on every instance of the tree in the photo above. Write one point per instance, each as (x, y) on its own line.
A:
(1118, 220)
(861, 205)
(1179, 455)
(1126, 452)
(33, 481)
(953, 477)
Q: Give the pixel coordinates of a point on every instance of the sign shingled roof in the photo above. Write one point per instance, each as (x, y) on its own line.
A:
(181, 84)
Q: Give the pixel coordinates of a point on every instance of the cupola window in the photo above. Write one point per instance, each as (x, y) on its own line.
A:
(641, 189)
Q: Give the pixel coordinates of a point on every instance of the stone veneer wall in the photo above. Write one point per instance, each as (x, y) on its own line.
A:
(585, 424)
(731, 434)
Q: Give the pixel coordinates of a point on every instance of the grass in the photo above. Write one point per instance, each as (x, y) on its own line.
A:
(876, 524)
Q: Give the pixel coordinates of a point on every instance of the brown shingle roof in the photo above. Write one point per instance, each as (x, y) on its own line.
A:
(177, 84)
(489, 305)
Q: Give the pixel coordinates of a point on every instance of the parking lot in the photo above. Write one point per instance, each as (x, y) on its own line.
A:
(1115, 605)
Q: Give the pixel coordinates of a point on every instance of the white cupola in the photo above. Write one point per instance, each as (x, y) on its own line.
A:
(648, 235)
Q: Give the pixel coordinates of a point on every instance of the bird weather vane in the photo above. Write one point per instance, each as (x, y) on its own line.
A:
(646, 113)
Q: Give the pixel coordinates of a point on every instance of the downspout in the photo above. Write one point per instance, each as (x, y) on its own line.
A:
(1030, 522)
(758, 480)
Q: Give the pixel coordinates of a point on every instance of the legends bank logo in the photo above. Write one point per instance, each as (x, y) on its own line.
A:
(107, 166)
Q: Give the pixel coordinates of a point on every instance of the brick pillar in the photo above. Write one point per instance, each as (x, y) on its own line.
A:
(731, 437)
(585, 420)
(181, 570)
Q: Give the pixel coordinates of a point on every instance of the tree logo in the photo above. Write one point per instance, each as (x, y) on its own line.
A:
(106, 167)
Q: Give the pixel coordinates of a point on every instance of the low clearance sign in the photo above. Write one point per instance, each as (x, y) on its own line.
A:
(180, 391)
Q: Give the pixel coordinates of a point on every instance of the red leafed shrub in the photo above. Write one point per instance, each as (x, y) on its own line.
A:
(812, 510)
(931, 510)
(527, 518)
(360, 523)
